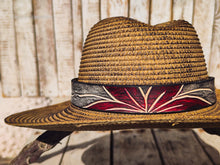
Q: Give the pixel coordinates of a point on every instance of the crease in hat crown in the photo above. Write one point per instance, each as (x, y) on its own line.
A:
(124, 51)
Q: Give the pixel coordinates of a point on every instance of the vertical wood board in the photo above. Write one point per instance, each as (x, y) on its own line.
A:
(135, 147)
(26, 47)
(64, 45)
(9, 63)
(54, 156)
(203, 23)
(160, 11)
(180, 147)
(45, 47)
(77, 33)
(210, 144)
(113, 8)
(90, 15)
(87, 147)
(183, 9)
(214, 65)
(140, 10)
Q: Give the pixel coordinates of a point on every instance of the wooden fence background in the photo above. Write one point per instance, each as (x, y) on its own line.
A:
(41, 40)
(40, 48)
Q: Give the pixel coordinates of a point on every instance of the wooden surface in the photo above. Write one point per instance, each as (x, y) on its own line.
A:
(180, 147)
(113, 8)
(64, 44)
(214, 64)
(82, 145)
(26, 50)
(132, 147)
(77, 34)
(135, 147)
(40, 48)
(161, 11)
(183, 9)
(45, 44)
(90, 15)
(41, 41)
(9, 63)
(204, 9)
(140, 10)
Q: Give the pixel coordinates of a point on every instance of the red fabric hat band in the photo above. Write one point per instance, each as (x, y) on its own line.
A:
(144, 99)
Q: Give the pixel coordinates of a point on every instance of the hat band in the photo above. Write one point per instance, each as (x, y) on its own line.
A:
(144, 99)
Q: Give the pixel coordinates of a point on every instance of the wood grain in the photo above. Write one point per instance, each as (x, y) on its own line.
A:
(90, 15)
(203, 22)
(17, 60)
(160, 11)
(214, 65)
(88, 147)
(180, 147)
(113, 8)
(135, 147)
(49, 146)
(77, 34)
(140, 10)
(211, 152)
(183, 9)
(64, 45)
(26, 50)
(45, 42)
(9, 63)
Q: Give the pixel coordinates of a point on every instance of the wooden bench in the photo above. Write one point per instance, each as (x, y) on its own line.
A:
(40, 49)
(134, 147)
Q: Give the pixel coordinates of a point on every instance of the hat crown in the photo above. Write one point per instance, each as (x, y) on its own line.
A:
(124, 51)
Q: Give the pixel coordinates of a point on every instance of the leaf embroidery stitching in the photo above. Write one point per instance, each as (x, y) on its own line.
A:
(129, 102)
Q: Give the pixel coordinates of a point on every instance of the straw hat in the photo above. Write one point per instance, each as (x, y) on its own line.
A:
(134, 75)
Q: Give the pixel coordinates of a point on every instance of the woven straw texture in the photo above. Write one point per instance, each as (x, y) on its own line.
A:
(67, 117)
(123, 51)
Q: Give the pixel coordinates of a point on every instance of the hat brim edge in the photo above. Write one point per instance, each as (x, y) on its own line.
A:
(67, 117)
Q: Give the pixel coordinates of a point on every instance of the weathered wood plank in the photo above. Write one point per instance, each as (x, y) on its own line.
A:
(9, 63)
(90, 15)
(203, 23)
(180, 147)
(45, 47)
(53, 156)
(214, 65)
(209, 141)
(183, 9)
(77, 33)
(113, 8)
(26, 50)
(64, 45)
(88, 147)
(160, 11)
(135, 147)
(140, 10)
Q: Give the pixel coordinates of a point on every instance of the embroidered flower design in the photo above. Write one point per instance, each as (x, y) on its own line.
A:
(154, 99)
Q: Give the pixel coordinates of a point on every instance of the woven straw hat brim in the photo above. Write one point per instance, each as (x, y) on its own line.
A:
(67, 117)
